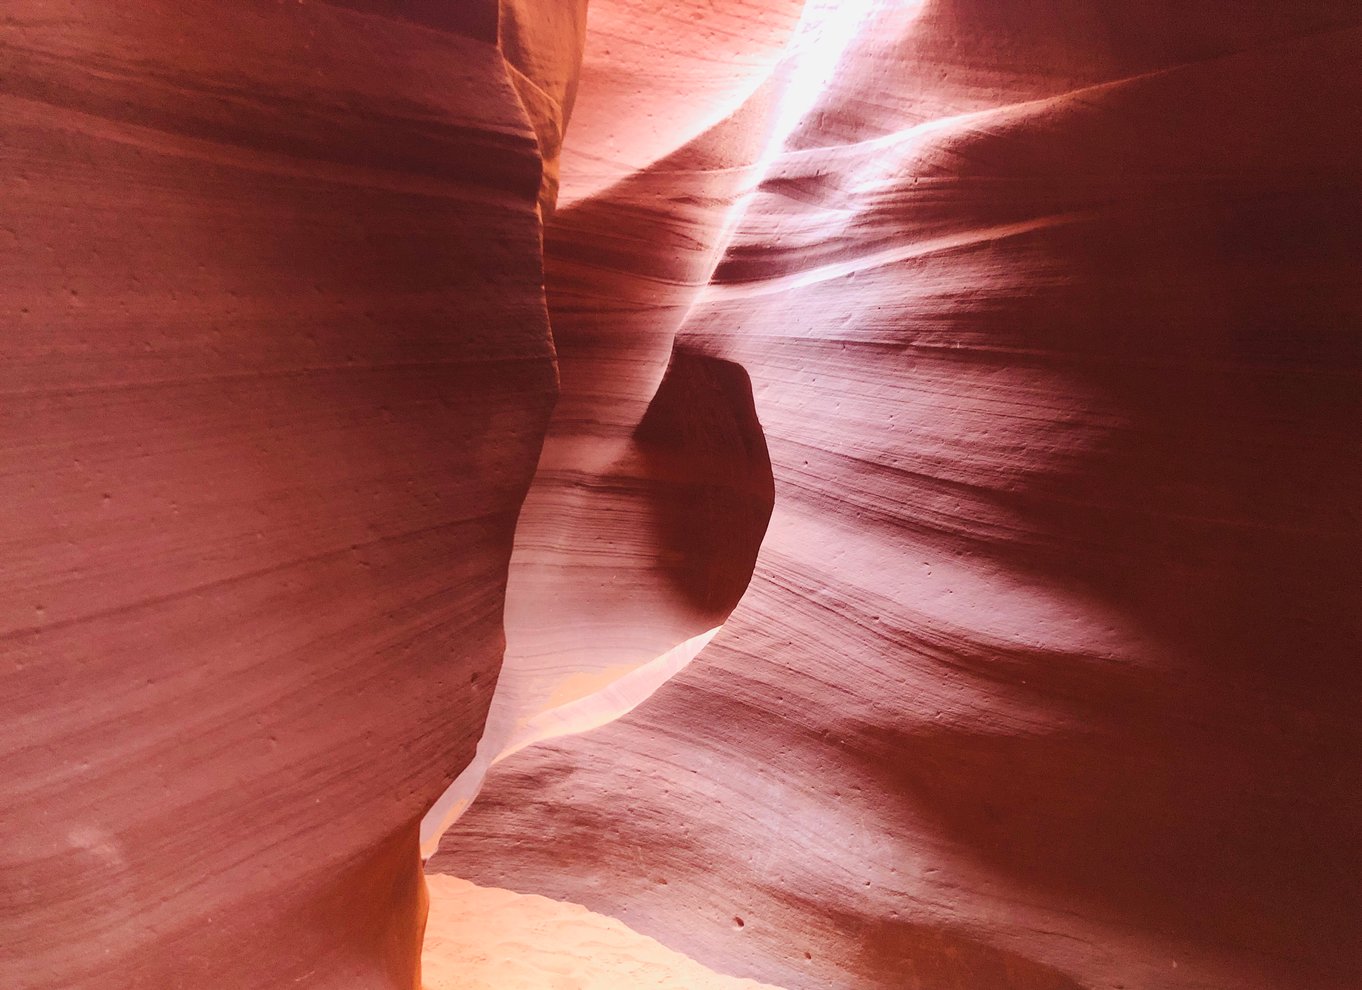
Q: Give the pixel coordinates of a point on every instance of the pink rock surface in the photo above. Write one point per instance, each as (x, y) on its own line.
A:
(1047, 674)
(956, 427)
(277, 369)
(481, 938)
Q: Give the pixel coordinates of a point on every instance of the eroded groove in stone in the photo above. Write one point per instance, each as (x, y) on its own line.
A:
(1031, 326)
(1044, 678)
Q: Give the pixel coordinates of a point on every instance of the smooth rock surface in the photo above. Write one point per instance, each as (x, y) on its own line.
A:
(930, 429)
(481, 938)
(1048, 672)
(276, 369)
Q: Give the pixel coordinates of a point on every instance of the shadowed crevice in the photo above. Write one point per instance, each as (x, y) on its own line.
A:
(704, 446)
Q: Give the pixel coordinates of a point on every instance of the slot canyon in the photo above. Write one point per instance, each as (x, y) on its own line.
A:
(681, 495)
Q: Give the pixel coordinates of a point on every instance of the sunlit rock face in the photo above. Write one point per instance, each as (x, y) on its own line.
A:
(480, 938)
(928, 430)
(1047, 674)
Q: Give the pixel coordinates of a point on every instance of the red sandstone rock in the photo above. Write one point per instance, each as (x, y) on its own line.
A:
(480, 938)
(1046, 677)
(1035, 320)
(277, 370)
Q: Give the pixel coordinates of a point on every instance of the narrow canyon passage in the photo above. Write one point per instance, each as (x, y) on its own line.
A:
(1047, 671)
(740, 494)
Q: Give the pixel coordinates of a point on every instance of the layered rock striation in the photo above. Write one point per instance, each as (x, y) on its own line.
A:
(1046, 675)
(919, 441)
(277, 369)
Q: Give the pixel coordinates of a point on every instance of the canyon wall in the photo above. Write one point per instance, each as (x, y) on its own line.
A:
(277, 370)
(920, 441)
(1047, 675)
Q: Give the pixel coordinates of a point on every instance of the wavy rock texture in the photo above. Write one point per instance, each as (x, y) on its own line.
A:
(277, 370)
(1046, 677)
(977, 383)
(654, 487)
